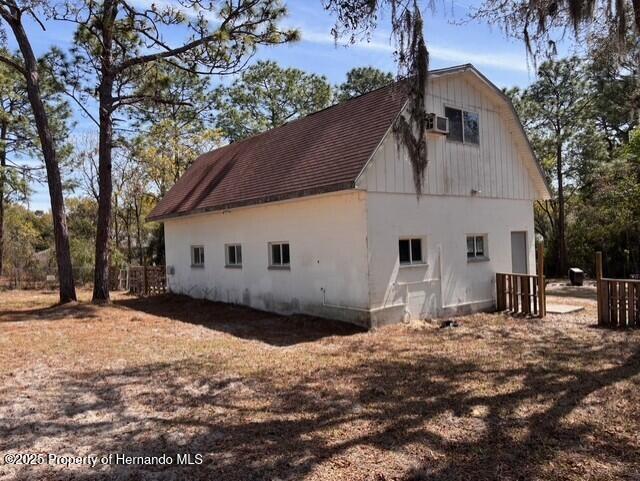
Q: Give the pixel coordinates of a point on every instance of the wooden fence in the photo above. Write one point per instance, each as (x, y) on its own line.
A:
(117, 279)
(522, 294)
(618, 299)
(147, 280)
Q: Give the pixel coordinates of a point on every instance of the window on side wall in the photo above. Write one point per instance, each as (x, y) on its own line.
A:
(279, 255)
(410, 251)
(477, 247)
(197, 256)
(464, 126)
(233, 255)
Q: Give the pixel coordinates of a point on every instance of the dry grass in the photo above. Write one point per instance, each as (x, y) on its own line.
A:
(271, 398)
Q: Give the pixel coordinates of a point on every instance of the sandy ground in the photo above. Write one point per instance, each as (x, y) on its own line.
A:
(263, 397)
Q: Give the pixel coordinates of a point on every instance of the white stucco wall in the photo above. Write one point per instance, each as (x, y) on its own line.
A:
(327, 236)
(447, 283)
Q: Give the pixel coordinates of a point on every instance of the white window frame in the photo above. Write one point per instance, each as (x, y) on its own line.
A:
(411, 261)
(193, 256)
(281, 265)
(462, 110)
(227, 261)
(485, 252)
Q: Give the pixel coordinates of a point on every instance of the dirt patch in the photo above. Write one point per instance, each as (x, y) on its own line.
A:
(264, 397)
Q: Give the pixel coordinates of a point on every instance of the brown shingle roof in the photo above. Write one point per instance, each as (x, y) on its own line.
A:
(323, 152)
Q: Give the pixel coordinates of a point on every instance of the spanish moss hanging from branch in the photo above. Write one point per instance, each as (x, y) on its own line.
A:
(357, 18)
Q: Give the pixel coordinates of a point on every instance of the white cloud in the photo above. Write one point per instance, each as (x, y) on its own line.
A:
(498, 60)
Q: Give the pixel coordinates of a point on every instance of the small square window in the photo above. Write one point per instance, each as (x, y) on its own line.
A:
(197, 256)
(410, 251)
(476, 247)
(279, 255)
(233, 255)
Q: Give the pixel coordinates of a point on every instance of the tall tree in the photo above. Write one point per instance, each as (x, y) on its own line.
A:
(15, 135)
(13, 14)
(118, 41)
(362, 80)
(266, 96)
(556, 112)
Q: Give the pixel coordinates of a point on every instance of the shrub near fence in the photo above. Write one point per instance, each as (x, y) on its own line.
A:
(618, 299)
(147, 280)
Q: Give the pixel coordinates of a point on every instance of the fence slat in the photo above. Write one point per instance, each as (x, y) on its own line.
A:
(631, 309)
(534, 298)
(622, 304)
(526, 308)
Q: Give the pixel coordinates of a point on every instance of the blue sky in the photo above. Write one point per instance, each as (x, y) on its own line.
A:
(501, 59)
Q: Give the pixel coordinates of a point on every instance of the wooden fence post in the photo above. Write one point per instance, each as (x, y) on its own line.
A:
(599, 290)
(542, 300)
(145, 284)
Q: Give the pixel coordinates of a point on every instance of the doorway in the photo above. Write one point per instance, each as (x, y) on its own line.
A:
(519, 252)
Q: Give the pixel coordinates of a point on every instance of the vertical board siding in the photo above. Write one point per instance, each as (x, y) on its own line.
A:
(496, 167)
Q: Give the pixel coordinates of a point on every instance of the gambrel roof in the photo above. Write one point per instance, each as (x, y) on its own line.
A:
(322, 152)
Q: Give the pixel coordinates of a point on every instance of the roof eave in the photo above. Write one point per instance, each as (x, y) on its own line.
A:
(329, 188)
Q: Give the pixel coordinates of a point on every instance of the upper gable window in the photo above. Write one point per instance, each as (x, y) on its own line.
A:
(464, 126)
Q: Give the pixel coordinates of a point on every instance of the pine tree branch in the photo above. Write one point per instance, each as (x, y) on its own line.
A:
(13, 64)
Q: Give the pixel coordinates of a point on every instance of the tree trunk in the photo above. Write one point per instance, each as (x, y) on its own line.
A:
(60, 231)
(562, 241)
(3, 164)
(116, 226)
(101, 274)
(105, 98)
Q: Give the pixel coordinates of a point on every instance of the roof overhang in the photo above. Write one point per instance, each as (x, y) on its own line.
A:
(326, 189)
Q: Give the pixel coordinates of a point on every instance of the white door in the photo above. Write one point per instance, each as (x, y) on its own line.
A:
(519, 253)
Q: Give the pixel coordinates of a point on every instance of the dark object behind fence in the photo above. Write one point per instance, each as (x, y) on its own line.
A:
(576, 276)
(618, 299)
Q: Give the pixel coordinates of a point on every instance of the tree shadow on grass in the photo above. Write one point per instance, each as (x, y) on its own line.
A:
(56, 312)
(458, 419)
(240, 321)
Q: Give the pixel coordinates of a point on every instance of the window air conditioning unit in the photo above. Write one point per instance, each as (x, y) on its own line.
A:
(437, 124)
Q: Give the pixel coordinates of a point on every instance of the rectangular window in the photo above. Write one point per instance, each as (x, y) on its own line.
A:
(463, 126)
(476, 247)
(197, 256)
(233, 255)
(279, 255)
(410, 251)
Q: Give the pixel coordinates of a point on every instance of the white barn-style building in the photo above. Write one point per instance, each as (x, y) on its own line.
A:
(320, 216)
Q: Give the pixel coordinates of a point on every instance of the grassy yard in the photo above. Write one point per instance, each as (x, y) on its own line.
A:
(264, 397)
